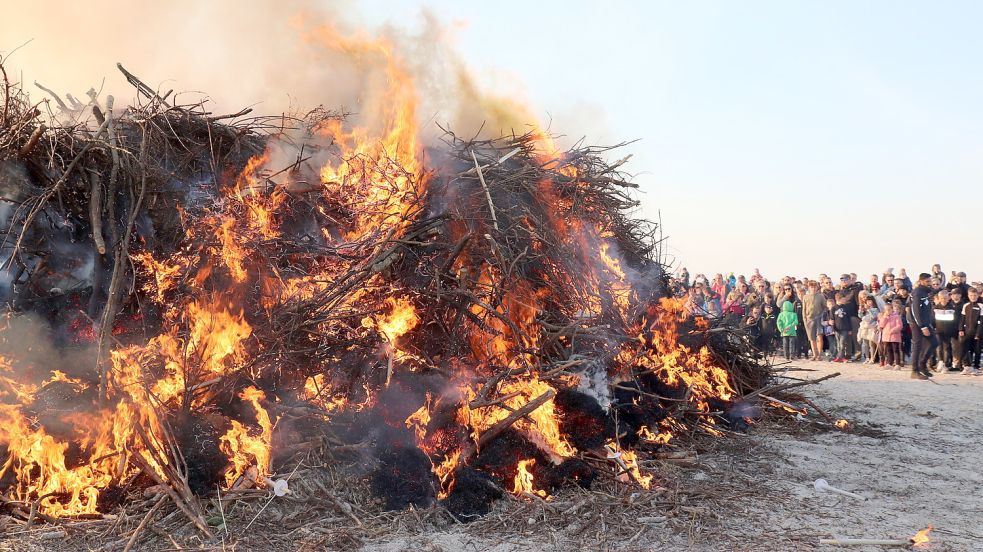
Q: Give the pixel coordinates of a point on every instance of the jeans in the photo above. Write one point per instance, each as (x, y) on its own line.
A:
(843, 342)
(831, 345)
(922, 348)
(790, 346)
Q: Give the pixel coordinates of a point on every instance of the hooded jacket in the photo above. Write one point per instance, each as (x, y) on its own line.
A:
(891, 326)
(788, 321)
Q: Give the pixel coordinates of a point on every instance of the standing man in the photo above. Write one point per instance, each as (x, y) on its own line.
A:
(850, 285)
(813, 307)
(923, 338)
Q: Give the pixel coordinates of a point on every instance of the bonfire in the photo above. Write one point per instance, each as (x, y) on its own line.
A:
(467, 318)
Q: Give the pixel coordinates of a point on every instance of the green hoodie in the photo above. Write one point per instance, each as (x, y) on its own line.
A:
(787, 320)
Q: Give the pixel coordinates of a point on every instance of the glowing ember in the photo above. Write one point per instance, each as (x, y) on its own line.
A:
(842, 424)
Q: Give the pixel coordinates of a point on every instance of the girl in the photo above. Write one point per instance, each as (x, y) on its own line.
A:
(890, 326)
(869, 330)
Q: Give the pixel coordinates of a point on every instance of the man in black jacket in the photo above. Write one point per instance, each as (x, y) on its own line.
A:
(923, 338)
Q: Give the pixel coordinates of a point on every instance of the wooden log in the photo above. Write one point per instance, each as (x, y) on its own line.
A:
(501, 426)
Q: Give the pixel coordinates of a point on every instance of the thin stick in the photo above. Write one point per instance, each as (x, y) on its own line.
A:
(481, 178)
(143, 523)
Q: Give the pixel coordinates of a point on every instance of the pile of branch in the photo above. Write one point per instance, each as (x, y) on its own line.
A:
(523, 268)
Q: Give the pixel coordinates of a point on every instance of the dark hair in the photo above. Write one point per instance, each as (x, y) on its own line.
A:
(924, 276)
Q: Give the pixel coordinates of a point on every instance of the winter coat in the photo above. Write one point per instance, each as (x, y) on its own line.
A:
(947, 320)
(919, 309)
(890, 325)
(868, 325)
(972, 320)
(769, 325)
(788, 321)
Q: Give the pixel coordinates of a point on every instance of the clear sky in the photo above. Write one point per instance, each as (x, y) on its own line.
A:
(797, 137)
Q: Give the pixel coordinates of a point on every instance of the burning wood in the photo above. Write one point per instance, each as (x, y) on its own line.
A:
(482, 315)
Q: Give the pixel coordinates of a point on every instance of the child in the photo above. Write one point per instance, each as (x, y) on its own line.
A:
(843, 326)
(970, 333)
(867, 334)
(788, 323)
(890, 326)
(829, 331)
(752, 324)
(769, 324)
(946, 328)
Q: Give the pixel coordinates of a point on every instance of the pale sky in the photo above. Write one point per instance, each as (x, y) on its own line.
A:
(796, 137)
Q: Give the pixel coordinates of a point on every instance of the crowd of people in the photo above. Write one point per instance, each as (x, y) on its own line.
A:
(931, 323)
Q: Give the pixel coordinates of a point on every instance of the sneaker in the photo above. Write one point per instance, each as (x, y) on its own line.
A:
(977, 372)
(939, 366)
(918, 376)
(967, 371)
(928, 373)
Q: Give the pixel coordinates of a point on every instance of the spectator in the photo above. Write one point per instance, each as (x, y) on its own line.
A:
(946, 328)
(813, 307)
(788, 323)
(890, 325)
(903, 276)
(868, 332)
(843, 327)
(829, 327)
(923, 338)
(959, 281)
(769, 329)
(970, 334)
(850, 285)
(734, 308)
(752, 325)
(937, 272)
(903, 296)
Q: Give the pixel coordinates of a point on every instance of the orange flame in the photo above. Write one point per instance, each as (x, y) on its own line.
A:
(524, 480)
(245, 449)
(921, 538)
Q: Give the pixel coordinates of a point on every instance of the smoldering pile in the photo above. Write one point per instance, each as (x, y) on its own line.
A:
(478, 317)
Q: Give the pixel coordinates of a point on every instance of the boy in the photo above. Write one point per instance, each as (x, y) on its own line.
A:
(945, 327)
(788, 323)
(970, 333)
(769, 324)
(842, 323)
(829, 327)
